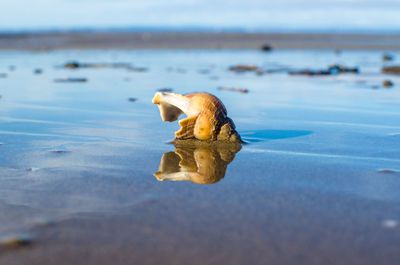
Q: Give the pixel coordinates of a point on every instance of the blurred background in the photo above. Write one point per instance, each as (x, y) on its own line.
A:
(336, 16)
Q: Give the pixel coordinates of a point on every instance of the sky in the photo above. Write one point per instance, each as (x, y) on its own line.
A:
(249, 15)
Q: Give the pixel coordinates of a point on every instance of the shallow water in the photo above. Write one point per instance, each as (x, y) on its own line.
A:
(321, 168)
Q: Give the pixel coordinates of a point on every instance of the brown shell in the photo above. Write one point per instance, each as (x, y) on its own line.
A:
(207, 116)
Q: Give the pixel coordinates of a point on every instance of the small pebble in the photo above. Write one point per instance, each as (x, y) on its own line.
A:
(37, 71)
(11, 68)
(16, 241)
(387, 83)
(389, 223)
(59, 151)
(387, 57)
(33, 169)
(132, 99)
(72, 65)
(3, 75)
(266, 48)
(71, 79)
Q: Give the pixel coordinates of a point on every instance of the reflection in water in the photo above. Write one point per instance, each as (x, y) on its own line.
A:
(202, 164)
(262, 135)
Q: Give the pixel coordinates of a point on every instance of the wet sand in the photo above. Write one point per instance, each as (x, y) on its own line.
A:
(316, 183)
(168, 40)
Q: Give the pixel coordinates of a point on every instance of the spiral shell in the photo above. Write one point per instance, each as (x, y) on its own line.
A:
(206, 116)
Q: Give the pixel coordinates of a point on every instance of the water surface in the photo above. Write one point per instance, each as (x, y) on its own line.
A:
(320, 171)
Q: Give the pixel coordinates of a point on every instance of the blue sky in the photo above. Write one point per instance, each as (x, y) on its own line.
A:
(251, 15)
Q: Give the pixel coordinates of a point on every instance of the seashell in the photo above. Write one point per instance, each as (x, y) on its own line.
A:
(206, 116)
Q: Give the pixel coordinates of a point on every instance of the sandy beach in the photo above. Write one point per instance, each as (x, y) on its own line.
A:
(86, 159)
(187, 40)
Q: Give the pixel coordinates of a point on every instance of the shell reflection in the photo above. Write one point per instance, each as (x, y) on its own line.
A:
(202, 164)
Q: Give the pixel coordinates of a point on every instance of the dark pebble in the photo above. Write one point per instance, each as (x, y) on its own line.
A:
(72, 65)
(16, 241)
(266, 48)
(387, 83)
(58, 151)
(132, 99)
(37, 71)
(70, 79)
(331, 70)
(3, 75)
(387, 57)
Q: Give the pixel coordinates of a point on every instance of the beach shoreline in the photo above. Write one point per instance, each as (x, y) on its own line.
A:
(195, 40)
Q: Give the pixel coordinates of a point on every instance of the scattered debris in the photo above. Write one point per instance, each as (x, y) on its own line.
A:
(241, 68)
(132, 99)
(16, 241)
(71, 79)
(387, 83)
(165, 89)
(266, 48)
(391, 70)
(3, 75)
(75, 65)
(387, 57)
(242, 90)
(37, 71)
(331, 70)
